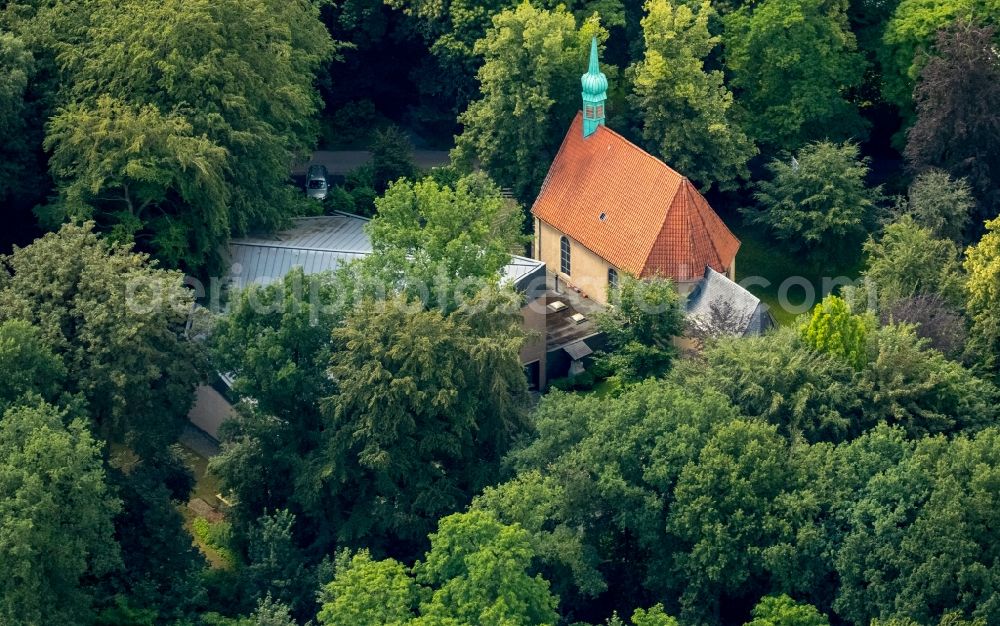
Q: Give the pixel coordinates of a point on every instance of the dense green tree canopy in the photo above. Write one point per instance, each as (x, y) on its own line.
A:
(794, 65)
(18, 163)
(922, 391)
(27, 365)
(687, 110)
(424, 406)
(55, 517)
(276, 568)
(161, 568)
(275, 343)
(476, 572)
(384, 450)
(907, 260)
(817, 202)
(426, 230)
(805, 393)
(530, 89)
(983, 266)
(188, 114)
(129, 161)
(117, 323)
(593, 487)
(922, 539)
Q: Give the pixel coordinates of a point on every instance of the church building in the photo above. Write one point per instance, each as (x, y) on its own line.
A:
(608, 208)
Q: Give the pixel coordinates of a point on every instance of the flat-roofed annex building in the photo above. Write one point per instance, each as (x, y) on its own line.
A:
(607, 207)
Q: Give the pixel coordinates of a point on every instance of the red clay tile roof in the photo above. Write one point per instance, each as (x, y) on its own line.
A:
(655, 219)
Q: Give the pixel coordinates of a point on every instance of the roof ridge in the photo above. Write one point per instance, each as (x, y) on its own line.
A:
(644, 153)
(691, 191)
(255, 244)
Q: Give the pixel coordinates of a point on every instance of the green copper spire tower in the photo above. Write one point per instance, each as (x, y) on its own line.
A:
(595, 92)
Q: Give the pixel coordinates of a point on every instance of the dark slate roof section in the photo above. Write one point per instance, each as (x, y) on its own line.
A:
(747, 309)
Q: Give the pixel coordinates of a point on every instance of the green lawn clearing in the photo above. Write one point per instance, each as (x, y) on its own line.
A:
(766, 266)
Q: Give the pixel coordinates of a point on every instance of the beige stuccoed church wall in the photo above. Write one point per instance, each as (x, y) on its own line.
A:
(588, 272)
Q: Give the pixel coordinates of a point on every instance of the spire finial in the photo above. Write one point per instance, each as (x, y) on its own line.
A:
(595, 92)
(594, 68)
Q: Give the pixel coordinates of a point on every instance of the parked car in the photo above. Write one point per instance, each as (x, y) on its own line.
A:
(316, 182)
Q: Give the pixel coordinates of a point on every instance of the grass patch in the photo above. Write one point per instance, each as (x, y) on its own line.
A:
(760, 257)
(215, 541)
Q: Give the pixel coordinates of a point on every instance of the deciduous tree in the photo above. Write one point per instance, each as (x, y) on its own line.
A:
(908, 260)
(392, 157)
(728, 508)
(917, 388)
(641, 327)
(776, 378)
(593, 487)
(28, 367)
(476, 572)
(922, 535)
(781, 610)
(955, 128)
(55, 517)
(982, 263)
(424, 407)
(794, 65)
(686, 109)
(209, 81)
(817, 202)
(145, 176)
(426, 230)
(530, 89)
(909, 36)
(118, 324)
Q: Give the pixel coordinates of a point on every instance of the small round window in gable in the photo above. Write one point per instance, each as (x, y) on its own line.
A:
(602, 216)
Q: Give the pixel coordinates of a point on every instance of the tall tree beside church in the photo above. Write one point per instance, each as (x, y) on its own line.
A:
(225, 91)
(530, 90)
(816, 202)
(956, 127)
(686, 109)
(794, 64)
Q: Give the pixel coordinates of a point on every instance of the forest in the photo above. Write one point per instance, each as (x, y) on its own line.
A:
(386, 463)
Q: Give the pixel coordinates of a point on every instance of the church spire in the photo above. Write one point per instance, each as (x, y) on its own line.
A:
(595, 92)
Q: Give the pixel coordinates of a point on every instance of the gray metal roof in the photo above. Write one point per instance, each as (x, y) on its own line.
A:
(577, 350)
(717, 288)
(317, 244)
(320, 244)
